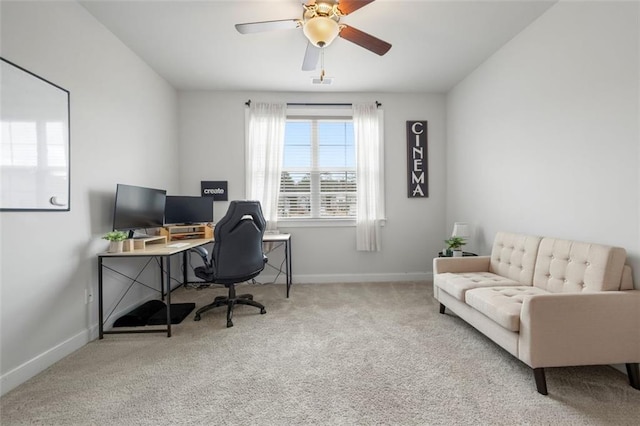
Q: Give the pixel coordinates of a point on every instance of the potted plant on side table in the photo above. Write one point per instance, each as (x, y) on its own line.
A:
(115, 239)
(454, 246)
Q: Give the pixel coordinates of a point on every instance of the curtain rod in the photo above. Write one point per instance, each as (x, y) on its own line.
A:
(378, 104)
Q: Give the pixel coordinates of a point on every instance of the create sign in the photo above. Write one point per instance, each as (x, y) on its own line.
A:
(417, 176)
(214, 188)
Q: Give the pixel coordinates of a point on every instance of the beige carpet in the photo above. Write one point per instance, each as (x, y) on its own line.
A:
(332, 354)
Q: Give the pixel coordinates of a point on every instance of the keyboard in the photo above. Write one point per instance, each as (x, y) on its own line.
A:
(177, 245)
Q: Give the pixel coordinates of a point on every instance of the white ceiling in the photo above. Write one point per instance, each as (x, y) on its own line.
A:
(194, 45)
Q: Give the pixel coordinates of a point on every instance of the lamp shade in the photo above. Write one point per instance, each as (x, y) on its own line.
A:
(461, 229)
(321, 30)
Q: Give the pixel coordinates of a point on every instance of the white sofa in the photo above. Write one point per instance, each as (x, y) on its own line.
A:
(549, 302)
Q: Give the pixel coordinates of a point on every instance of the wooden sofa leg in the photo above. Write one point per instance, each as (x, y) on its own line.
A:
(442, 308)
(633, 371)
(541, 380)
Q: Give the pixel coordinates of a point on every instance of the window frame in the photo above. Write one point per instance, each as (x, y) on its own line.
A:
(325, 113)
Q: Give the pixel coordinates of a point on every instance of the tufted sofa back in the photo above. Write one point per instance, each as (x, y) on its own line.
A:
(514, 256)
(565, 266)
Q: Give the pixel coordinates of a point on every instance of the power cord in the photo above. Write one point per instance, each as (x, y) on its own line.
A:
(254, 281)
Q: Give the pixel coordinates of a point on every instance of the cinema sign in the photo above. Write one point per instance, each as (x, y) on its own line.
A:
(417, 176)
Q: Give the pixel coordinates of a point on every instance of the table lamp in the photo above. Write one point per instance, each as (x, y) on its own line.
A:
(461, 229)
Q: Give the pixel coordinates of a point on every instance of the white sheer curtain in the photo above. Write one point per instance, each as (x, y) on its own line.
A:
(265, 125)
(368, 132)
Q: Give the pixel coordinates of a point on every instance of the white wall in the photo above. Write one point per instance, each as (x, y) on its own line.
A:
(543, 138)
(212, 148)
(123, 129)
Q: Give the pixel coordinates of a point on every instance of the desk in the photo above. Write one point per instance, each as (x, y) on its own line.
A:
(164, 253)
(280, 239)
(286, 240)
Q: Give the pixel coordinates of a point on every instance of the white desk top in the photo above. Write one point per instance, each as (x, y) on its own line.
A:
(177, 246)
(160, 249)
(272, 238)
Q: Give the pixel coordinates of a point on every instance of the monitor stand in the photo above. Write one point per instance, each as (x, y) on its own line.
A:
(133, 236)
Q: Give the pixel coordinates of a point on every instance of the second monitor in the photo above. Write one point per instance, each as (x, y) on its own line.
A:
(187, 210)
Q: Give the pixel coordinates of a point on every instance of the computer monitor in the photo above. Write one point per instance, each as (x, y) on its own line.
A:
(186, 210)
(137, 207)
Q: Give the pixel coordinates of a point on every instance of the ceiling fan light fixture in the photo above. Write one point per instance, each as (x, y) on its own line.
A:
(321, 30)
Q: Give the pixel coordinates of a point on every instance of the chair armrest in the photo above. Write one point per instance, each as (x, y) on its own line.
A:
(203, 253)
(461, 264)
(562, 329)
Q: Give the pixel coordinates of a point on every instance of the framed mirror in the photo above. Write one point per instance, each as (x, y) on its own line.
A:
(34, 148)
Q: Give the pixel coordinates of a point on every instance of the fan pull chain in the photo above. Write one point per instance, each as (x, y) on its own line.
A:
(321, 64)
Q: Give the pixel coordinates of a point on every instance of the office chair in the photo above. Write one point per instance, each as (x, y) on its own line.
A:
(237, 255)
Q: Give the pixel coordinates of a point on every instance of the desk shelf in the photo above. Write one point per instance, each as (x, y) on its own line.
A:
(142, 243)
(184, 232)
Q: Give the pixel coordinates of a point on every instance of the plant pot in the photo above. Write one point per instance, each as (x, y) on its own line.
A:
(457, 253)
(115, 246)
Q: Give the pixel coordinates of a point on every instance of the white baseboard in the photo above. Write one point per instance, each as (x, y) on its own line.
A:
(356, 278)
(24, 372)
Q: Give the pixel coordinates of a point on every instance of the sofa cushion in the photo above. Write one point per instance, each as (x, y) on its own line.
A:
(514, 256)
(457, 284)
(501, 304)
(565, 266)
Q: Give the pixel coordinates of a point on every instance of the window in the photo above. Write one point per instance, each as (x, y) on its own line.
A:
(318, 179)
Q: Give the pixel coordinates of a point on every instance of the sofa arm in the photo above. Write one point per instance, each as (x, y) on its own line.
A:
(461, 264)
(563, 329)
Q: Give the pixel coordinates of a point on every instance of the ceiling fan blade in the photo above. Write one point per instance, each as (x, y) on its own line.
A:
(257, 27)
(347, 6)
(311, 57)
(365, 40)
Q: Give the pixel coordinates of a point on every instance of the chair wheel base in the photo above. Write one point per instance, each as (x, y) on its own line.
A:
(230, 302)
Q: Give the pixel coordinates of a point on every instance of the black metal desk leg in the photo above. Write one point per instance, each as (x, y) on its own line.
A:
(100, 319)
(162, 277)
(168, 296)
(287, 256)
(184, 268)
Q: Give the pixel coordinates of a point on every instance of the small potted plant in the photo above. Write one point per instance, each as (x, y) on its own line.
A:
(115, 239)
(454, 246)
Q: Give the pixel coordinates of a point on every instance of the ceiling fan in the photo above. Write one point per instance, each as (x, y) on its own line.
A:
(321, 25)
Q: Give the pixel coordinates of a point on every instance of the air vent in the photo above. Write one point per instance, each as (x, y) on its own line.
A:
(324, 81)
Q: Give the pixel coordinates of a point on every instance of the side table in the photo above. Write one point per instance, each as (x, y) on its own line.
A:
(464, 254)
